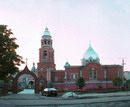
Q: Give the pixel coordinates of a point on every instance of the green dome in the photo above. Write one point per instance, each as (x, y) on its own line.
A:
(46, 37)
(90, 55)
(46, 34)
(67, 64)
(33, 68)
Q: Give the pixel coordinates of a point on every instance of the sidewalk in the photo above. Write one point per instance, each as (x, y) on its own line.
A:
(106, 94)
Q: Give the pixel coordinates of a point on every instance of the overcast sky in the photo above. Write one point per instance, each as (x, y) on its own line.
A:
(72, 24)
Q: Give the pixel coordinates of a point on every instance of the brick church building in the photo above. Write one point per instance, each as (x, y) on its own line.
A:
(94, 73)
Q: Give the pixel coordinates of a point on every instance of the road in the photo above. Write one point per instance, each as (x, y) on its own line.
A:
(36, 100)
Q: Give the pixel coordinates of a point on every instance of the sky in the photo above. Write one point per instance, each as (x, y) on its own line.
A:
(73, 24)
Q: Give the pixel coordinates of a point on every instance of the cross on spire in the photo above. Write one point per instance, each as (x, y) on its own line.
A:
(89, 42)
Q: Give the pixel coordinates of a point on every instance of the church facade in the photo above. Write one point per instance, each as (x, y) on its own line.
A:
(94, 73)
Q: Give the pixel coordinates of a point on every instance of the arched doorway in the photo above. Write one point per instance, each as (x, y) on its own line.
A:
(31, 84)
(26, 81)
(25, 71)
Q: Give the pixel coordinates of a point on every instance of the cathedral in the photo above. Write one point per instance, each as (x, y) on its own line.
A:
(94, 73)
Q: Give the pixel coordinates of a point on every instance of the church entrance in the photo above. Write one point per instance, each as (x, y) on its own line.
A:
(31, 84)
(25, 80)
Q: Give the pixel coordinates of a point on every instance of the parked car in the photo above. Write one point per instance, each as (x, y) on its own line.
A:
(50, 92)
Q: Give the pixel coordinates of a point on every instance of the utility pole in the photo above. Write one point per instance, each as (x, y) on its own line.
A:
(123, 63)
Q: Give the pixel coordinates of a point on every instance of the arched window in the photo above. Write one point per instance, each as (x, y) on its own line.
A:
(93, 74)
(42, 42)
(90, 74)
(105, 73)
(90, 59)
(49, 42)
(44, 54)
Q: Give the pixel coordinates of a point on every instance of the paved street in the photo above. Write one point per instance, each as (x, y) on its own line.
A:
(119, 99)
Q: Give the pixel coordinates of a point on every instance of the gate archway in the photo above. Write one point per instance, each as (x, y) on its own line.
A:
(25, 71)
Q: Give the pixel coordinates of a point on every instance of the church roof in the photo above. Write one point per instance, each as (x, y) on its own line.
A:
(67, 64)
(91, 55)
(46, 34)
(33, 68)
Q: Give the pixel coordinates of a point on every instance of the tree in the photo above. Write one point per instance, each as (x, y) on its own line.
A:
(9, 59)
(128, 83)
(80, 82)
(117, 82)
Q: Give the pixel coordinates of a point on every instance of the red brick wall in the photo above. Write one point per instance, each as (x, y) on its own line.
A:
(112, 71)
(59, 75)
(72, 70)
(97, 67)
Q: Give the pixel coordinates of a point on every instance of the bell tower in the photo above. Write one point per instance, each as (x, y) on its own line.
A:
(46, 52)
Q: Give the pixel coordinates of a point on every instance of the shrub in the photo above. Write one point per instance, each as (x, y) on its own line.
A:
(80, 82)
(117, 82)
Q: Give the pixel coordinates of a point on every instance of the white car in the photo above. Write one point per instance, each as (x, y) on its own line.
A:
(50, 92)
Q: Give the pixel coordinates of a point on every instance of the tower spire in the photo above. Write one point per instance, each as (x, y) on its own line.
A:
(46, 29)
(89, 43)
(46, 52)
(46, 32)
